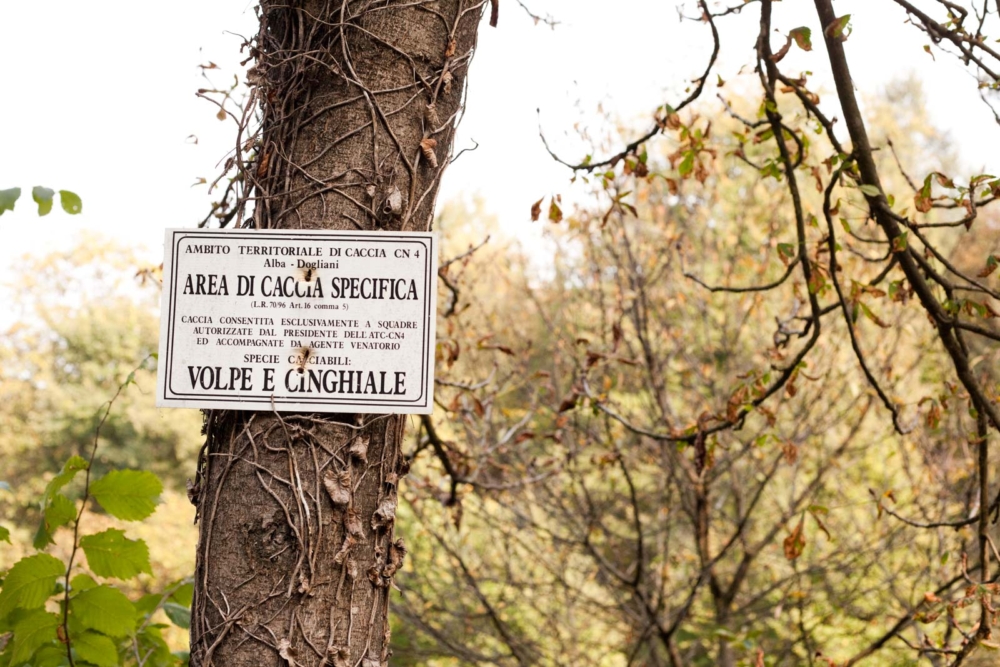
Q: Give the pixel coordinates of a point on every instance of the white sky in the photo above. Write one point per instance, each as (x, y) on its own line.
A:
(98, 98)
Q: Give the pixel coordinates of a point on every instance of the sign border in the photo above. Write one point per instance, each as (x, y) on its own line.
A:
(166, 396)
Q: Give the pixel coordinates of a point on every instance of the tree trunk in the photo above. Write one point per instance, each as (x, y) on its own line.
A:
(358, 100)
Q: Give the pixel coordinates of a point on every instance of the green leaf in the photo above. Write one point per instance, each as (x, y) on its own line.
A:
(59, 511)
(684, 636)
(43, 537)
(50, 656)
(148, 604)
(111, 554)
(104, 609)
(836, 29)
(150, 642)
(992, 262)
(82, 582)
(128, 494)
(70, 202)
(872, 316)
(180, 615)
(802, 37)
(30, 582)
(96, 649)
(31, 633)
(555, 213)
(687, 164)
(74, 465)
(4, 535)
(42, 197)
(184, 595)
(8, 198)
(869, 190)
(899, 244)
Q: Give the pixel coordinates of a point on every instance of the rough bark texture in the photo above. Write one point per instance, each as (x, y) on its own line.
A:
(357, 104)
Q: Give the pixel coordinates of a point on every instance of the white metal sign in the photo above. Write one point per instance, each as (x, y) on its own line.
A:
(314, 321)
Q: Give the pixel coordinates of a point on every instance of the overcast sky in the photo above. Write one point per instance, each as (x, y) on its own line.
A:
(99, 98)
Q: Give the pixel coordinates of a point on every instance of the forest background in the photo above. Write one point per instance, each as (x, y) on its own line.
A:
(542, 529)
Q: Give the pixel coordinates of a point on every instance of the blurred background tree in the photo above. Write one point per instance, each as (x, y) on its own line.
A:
(84, 320)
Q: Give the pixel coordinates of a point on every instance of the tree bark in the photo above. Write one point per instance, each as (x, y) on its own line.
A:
(355, 106)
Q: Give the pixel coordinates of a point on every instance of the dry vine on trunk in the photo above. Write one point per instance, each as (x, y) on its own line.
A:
(349, 126)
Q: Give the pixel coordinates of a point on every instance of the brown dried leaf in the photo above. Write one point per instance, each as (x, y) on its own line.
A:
(783, 51)
(536, 209)
(992, 262)
(821, 525)
(397, 551)
(819, 180)
(338, 656)
(265, 160)
(353, 523)
(569, 402)
(795, 543)
(427, 145)
(791, 452)
(922, 202)
(430, 113)
(769, 415)
(338, 486)
(450, 51)
(616, 336)
(359, 448)
(454, 352)
(385, 515)
(286, 651)
(345, 549)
